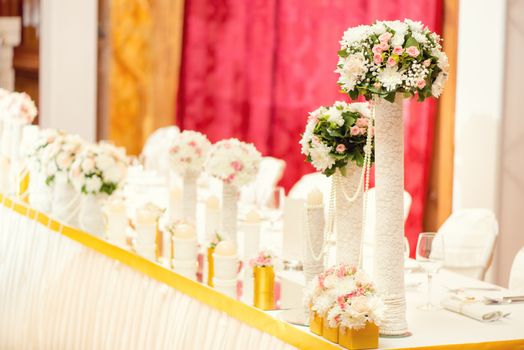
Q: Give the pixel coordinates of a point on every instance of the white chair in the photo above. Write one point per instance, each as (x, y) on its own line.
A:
(516, 276)
(269, 174)
(309, 182)
(469, 237)
(155, 153)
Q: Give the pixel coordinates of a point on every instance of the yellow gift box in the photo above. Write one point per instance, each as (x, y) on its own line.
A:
(330, 333)
(264, 279)
(357, 339)
(210, 266)
(315, 322)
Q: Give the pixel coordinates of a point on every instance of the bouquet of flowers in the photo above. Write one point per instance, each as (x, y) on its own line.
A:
(234, 162)
(345, 296)
(263, 259)
(98, 168)
(34, 154)
(392, 57)
(188, 152)
(59, 156)
(17, 106)
(337, 135)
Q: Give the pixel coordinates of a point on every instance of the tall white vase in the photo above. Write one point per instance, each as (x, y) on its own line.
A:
(389, 183)
(91, 218)
(229, 211)
(314, 242)
(66, 202)
(189, 194)
(40, 195)
(348, 216)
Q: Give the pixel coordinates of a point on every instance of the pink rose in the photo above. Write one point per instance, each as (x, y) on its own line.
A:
(377, 58)
(421, 83)
(362, 122)
(384, 37)
(413, 51)
(398, 50)
(427, 62)
(340, 148)
(391, 61)
(377, 49)
(192, 143)
(237, 165)
(355, 130)
(384, 46)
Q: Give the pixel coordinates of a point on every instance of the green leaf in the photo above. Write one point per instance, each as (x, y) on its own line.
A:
(49, 180)
(390, 97)
(343, 53)
(343, 171)
(410, 41)
(353, 94)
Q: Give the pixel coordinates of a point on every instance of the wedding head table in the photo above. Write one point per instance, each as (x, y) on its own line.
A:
(64, 288)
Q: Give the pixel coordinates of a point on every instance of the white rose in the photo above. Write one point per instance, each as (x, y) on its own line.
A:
(88, 165)
(397, 40)
(335, 116)
(378, 28)
(93, 184)
(113, 174)
(421, 38)
(64, 160)
(104, 162)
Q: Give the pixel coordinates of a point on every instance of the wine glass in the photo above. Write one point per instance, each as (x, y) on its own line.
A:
(274, 205)
(430, 257)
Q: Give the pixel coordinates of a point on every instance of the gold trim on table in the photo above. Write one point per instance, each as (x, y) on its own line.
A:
(247, 314)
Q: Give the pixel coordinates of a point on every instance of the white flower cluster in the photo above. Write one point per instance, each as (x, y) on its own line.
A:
(232, 161)
(98, 168)
(323, 151)
(58, 157)
(34, 154)
(345, 296)
(17, 107)
(389, 57)
(188, 152)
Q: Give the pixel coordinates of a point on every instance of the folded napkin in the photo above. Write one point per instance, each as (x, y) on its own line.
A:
(472, 308)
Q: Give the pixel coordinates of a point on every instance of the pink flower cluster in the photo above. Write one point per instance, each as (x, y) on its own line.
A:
(361, 127)
(340, 271)
(263, 259)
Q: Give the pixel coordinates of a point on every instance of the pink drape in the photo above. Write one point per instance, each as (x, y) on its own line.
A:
(253, 69)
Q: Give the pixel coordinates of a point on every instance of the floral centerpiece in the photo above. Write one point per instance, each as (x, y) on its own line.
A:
(97, 172)
(187, 156)
(235, 163)
(391, 57)
(337, 135)
(345, 307)
(387, 62)
(18, 107)
(264, 280)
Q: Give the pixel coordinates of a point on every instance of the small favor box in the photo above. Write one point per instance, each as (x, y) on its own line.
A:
(315, 322)
(358, 339)
(330, 333)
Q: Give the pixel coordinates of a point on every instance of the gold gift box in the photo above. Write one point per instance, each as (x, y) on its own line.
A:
(357, 339)
(315, 322)
(264, 279)
(330, 333)
(210, 266)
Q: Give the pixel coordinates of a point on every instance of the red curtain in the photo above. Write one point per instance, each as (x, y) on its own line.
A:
(254, 69)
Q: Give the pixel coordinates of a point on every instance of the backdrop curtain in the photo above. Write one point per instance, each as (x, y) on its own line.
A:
(254, 69)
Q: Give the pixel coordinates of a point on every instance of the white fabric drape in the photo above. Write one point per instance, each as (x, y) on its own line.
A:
(58, 294)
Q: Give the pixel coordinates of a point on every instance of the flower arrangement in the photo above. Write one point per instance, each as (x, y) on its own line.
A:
(34, 154)
(263, 259)
(233, 161)
(98, 168)
(392, 57)
(217, 238)
(17, 106)
(59, 156)
(188, 152)
(337, 135)
(345, 297)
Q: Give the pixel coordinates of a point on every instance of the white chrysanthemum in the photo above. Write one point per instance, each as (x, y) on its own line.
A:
(378, 28)
(352, 71)
(443, 62)
(438, 84)
(397, 40)
(390, 78)
(360, 107)
(420, 37)
(355, 34)
(415, 26)
(323, 303)
(399, 27)
(306, 137)
(320, 157)
(335, 116)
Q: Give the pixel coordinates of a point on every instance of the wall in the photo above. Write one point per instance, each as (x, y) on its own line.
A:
(68, 57)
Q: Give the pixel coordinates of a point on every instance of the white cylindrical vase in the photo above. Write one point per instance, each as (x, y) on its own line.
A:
(189, 196)
(314, 247)
(225, 267)
(389, 231)
(66, 202)
(185, 248)
(348, 216)
(229, 211)
(40, 195)
(91, 218)
(226, 286)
